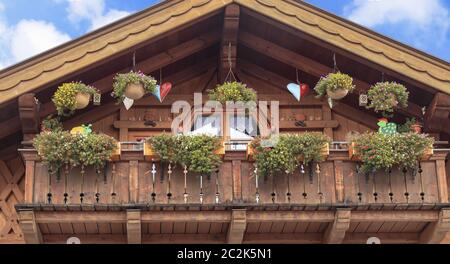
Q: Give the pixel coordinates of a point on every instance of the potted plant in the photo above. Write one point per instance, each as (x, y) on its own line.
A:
(411, 125)
(335, 85)
(232, 92)
(200, 153)
(380, 151)
(288, 151)
(384, 97)
(57, 148)
(72, 96)
(133, 85)
(50, 124)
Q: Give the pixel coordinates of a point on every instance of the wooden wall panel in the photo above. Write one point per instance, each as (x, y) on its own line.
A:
(12, 174)
(345, 126)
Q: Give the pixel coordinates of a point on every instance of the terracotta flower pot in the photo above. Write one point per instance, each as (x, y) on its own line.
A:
(82, 100)
(338, 94)
(416, 128)
(134, 91)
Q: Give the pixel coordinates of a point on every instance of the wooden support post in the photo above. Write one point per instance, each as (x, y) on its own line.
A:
(339, 181)
(237, 180)
(29, 116)
(237, 227)
(437, 114)
(228, 51)
(31, 232)
(133, 181)
(134, 233)
(335, 232)
(435, 232)
(442, 181)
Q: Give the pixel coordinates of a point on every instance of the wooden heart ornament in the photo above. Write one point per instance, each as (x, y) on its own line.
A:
(162, 91)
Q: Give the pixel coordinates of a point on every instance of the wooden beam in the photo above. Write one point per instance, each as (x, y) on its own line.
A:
(356, 115)
(307, 65)
(290, 216)
(134, 234)
(286, 124)
(437, 114)
(31, 232)
(237, 226)
(442, 181)
(183, 239)
(395, 216)
(49, 217)
(237, 180)
(133, 181)
(228, 50)
(295, 238)
(186, 216)
(436, 231)
(335, 232)
(87, 239)
(29, 116)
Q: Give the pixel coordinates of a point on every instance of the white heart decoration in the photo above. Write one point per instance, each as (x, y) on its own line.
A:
(128, 103)
(294, 89)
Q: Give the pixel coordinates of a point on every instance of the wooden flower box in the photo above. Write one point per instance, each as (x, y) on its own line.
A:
(250, 152)
(149, 154)
(221, 151)
(427, 153)
(116, 154)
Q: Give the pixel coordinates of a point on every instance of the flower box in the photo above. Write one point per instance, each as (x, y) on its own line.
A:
(250, 152)
(353, 155)
(149, 154)
(115, 156)
(220, 151)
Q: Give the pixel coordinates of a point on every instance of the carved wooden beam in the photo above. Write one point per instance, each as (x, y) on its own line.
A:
(335, 232)
(306, 64)
(29, 116)
(237, 226)
(30, 229)
(435, 232)
(134, 233)
(437, 117)
(228, 51)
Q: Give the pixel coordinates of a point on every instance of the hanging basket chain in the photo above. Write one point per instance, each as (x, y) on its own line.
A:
(230, 65)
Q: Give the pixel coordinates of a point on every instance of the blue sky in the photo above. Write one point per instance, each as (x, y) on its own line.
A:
(28, 27)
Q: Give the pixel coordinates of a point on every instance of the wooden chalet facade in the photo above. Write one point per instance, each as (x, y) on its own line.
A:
(187, 42)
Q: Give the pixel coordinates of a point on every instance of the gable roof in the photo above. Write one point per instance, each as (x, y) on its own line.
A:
(160, 19)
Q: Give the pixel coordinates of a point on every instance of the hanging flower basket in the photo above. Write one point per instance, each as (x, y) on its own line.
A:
(385, 97)
(232, 92)
(335, 85)
(72, 96)
(134, 91)
(82, 100)
(133, 85)
(337, 94)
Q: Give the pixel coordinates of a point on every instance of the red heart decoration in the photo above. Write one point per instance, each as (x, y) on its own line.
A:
(165, 89)
(304, 89)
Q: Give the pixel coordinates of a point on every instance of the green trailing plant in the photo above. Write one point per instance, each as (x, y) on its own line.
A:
(379, 151)
(92, 150)
(334, 82)
(51, 124)
(64, 97)
(233, 92)
(122, 80)
(57, 148)
(165, 145)
(196, 152)
(284, 155)
(384, 97)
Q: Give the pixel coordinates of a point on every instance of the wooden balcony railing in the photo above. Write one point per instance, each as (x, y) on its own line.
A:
(134, 180)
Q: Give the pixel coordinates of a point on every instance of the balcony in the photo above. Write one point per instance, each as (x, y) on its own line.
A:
(328, 203)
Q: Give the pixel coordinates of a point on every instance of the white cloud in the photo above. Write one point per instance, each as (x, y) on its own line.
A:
(422, 21)
(26, 39)
(93, 11)
(30, 37)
